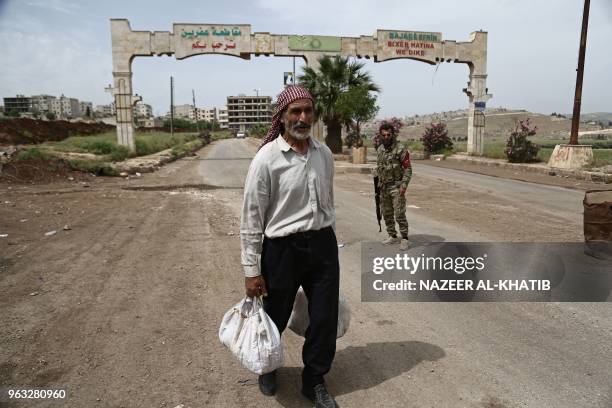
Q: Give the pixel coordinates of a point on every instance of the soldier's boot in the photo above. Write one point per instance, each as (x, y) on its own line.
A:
(391, 240)
(404, 244)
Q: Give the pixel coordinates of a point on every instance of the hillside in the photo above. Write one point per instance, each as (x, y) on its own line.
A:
(499, 125)
(595, 117)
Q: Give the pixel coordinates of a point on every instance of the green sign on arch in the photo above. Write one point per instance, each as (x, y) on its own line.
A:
(315, 43)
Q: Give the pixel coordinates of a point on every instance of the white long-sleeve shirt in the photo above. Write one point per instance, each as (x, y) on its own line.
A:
(284, 193)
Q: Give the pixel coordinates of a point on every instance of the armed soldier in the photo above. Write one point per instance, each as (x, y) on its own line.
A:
(393, 171)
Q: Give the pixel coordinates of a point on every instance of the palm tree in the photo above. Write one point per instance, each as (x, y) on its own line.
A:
(335, 76)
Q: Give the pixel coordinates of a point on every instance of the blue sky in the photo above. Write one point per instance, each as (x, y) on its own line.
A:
(63, 46)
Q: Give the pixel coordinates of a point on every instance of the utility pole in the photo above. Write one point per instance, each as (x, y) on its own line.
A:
(574, 156)
(257, 94)
(195, 111)
(293, 78)
(171, 106)
(579, 75)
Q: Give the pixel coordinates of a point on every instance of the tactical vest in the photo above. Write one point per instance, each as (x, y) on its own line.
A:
(389, 163)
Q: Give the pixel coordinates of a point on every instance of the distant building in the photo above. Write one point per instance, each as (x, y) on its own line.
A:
(62, 107)
(42, 104)
(19, 103)
(105, 111)
(56, 108)
(214, 114)
(66, 108)
(188, 112)
(223, 117)
(207, 114)
(143, 110)
(246, 111)
(86, 109)
(184, 112)
(151, 122)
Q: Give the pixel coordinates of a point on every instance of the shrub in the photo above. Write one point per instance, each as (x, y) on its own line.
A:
(435, 139)
(204, 136)
(353, 139)
(259, 130)
(96, 167)
(518, 148)
(33, 153)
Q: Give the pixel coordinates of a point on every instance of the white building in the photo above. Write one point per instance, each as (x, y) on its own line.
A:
(188, 112)
(86, 109)
(67, 108)
(222, 118)
(42, 103)
(184, 112)
(143, 110)
(150, 122)
(247, 111)
(104, 111)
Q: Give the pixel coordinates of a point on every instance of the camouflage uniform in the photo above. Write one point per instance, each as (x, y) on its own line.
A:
(394, 171)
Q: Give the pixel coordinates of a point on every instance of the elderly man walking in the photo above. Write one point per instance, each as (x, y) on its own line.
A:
(288, 223)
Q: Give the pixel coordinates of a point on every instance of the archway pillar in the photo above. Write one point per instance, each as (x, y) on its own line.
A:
(124, 112)
(478, 97)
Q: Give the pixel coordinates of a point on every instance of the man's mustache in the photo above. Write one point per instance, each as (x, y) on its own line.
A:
(301, 125)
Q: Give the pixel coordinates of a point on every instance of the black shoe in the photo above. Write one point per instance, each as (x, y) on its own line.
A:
(319, 395)
(267, 383)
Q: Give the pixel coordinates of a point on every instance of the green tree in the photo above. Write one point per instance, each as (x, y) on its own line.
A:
(357, 105)
(50, 115)
(335, 77)
(259, 130)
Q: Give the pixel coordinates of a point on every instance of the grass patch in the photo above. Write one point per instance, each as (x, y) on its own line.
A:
(34, 153)
(414, 146)
(186, 147)
(220, 134)
(106, 144)
(602, 157)
(494, 149)
(97, 167)
(106, 149)
(154, 142)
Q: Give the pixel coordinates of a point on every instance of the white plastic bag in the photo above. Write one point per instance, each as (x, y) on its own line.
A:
(299, 320)
(252, 336)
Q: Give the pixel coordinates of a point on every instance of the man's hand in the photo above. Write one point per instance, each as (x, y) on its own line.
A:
(255, 286)
(402, 190)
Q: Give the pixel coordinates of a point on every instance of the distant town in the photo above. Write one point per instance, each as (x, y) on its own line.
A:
(240, 112)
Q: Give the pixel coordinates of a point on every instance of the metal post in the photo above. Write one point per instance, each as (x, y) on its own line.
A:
(195, 111)
(579, 75)
(171, 106)
(257, 117)
(293, 78)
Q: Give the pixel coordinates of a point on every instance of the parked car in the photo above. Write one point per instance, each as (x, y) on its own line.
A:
(241, 134)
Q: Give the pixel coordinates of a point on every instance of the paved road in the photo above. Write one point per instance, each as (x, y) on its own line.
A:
(564, 202)
(455, 355)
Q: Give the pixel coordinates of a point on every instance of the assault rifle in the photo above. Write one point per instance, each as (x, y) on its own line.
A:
(377, 199)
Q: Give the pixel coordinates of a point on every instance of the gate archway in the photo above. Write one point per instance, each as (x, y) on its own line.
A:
(187, 40)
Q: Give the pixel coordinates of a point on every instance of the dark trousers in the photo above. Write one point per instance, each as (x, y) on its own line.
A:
(308, 259)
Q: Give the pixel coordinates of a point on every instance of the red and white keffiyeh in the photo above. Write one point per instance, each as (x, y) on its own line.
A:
(290, 94)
